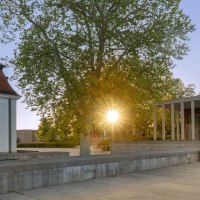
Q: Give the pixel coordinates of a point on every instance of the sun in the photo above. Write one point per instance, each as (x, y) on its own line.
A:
(112, 116)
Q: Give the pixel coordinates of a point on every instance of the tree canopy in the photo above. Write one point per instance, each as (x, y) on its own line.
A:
(76, 58)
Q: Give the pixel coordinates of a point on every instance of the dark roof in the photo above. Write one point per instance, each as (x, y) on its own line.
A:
(5, 87)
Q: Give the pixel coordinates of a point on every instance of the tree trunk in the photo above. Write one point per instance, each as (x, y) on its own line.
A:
(85, 145)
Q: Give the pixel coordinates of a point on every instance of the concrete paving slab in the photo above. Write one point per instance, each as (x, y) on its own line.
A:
(132, 180)
(170, 172)
(15, 196)
(180, 182)
(51, 194)
(173, 191)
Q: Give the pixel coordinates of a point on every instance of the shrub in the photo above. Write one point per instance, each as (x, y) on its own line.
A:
(68, 144)
(105, 145)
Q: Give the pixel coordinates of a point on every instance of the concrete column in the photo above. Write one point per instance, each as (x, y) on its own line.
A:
(177, 126)
(155, 124)
(182, 122)
(193, 119)
(163, 122)
(172, 122)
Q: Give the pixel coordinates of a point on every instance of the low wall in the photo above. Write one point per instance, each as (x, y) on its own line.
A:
(29, 174)
(29, 155)
(154, 147)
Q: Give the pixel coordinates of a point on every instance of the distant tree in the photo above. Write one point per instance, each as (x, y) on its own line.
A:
(189, 90)
(46, 132)
(83, 56)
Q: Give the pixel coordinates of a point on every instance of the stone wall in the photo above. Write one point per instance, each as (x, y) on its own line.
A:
(20, 175)
(150, 147)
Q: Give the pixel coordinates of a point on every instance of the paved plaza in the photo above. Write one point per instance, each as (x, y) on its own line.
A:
(72, 151)
(180, 182)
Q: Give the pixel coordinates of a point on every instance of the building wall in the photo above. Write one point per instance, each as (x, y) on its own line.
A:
(6, 126)
(13, 126)
(3, 125)
(26, 136)
(188, 126)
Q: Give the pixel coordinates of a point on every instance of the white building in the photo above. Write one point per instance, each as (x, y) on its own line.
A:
(8, 98)
(26, 136)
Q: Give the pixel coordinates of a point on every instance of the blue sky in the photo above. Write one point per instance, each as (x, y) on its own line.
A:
(187, 69)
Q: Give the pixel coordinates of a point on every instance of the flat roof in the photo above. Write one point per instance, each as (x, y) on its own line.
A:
(176, 102)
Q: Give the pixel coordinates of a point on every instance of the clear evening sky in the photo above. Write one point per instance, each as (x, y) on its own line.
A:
(187, 69)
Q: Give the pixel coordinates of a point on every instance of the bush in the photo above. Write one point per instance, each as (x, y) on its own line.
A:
(69, 144)
(105, 145)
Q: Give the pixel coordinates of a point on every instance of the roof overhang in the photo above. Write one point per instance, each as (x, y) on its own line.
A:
(187, 102)
(8, 96)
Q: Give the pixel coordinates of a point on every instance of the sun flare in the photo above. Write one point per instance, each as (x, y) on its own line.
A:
(112, 116)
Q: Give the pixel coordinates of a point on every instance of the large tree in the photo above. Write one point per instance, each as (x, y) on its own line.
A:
(79, 57)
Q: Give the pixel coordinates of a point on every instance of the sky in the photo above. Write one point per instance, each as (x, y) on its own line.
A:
(187, 69)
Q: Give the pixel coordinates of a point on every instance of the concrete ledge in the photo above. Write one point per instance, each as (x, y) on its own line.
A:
(30, 155)
(29, 174)
(154, 146)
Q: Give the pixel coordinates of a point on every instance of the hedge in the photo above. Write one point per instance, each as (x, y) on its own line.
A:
(105, 145)
(69, 144)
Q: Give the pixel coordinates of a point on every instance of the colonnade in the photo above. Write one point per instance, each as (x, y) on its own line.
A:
(179, 109)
